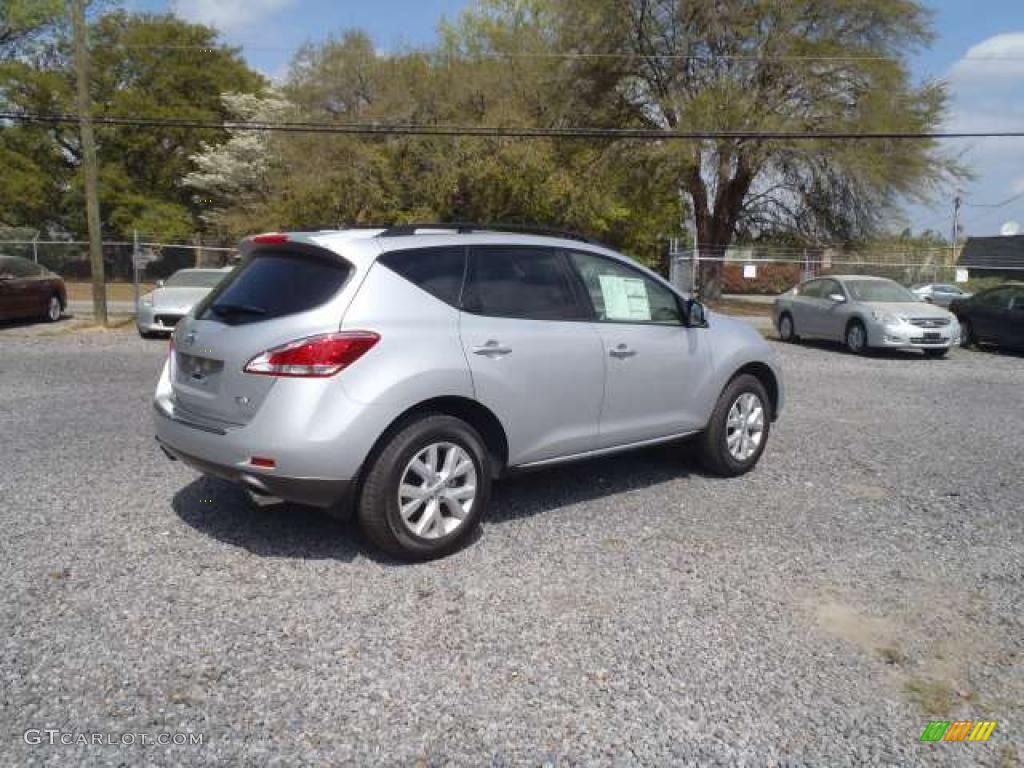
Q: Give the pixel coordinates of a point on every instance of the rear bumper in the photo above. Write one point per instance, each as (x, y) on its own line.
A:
(314, 492)
(196, 442)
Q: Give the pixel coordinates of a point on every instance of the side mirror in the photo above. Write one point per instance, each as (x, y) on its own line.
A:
(838, 298)
(159, 283)
(696, 316)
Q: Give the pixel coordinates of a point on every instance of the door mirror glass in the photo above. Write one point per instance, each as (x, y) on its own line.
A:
(696, 316)
(838, 298)
(159, 283)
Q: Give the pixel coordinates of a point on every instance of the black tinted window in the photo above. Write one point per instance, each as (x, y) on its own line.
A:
(531, 283)
(998, 298)
(273, 284)
(16, 267)
(438, 271)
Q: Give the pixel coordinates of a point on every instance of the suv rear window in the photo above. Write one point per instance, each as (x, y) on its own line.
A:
(274, 283)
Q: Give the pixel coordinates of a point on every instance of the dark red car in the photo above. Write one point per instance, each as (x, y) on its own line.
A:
(28, 290)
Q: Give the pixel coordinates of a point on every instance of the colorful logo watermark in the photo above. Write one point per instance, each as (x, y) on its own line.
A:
(958, 730)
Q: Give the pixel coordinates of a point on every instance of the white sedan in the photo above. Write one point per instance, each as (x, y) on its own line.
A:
(161, 309)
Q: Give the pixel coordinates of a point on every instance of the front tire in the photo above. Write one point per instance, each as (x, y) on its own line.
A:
(738, 430)
(427, 488)
(787, 332)
(966, 334)
(54, 309)
(857, 338)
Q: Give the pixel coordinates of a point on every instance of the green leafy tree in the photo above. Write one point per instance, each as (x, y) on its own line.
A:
(156, 66)
(766, 66)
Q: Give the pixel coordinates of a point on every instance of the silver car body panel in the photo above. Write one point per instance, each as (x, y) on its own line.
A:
(557, 392)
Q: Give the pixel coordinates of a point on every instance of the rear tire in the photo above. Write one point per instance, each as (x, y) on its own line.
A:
(419, 512)
(857, 338)
(787, 331)
(721, 452)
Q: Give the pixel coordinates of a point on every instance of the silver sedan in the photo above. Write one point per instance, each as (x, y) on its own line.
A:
(939, 293)
(161, 309)
(864, 313)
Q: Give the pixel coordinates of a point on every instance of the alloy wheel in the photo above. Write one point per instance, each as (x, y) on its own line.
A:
(744, 426)
(437, 490)
(53, 310)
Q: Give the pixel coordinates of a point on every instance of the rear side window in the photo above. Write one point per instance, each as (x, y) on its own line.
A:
(813, 289)
(524, 282)
(271, 284)
(438, 271)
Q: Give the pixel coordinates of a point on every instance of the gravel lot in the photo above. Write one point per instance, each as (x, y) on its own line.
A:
(621, 612)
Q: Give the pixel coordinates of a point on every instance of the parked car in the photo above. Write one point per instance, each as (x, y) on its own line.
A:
(161, 309)
(995, 316)
(865, 313)
(404, 369)
(29, 290)
(939, 293)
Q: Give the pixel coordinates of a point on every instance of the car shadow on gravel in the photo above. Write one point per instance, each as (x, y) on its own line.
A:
(838, 348)
(223, 511)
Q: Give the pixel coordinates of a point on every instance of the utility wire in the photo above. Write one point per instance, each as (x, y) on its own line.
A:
(419, 129)
(566, 54)
(1005, 202)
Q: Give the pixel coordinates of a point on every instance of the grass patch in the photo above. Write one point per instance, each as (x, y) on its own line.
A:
(891, 655)
(115, 291)
(933, 697)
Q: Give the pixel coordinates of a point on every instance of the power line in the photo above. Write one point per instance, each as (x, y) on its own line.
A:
(1005, 202)
(419, 129)
(573, 54)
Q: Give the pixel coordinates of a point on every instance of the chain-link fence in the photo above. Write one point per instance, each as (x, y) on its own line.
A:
(130, 268)
(770, 270)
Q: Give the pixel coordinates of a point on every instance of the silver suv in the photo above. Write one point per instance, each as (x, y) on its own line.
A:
(397, 372)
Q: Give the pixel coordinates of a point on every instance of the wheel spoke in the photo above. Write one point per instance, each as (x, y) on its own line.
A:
(455, 509)
(410, 509)
(407, 491)
(428, 520)
(425, 473)
(462, 468)
(461, 492)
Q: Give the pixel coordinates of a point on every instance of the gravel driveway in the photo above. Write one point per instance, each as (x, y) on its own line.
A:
(868, 577)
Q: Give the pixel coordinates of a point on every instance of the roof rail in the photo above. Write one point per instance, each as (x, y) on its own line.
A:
(463, 228)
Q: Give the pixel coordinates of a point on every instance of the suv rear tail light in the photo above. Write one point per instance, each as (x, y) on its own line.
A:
(315, 356)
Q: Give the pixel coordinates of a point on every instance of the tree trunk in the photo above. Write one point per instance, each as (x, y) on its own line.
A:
(710, 277)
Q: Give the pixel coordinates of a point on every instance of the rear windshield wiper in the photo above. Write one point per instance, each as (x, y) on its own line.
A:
(225, 310)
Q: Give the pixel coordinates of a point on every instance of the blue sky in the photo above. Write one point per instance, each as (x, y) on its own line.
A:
(986, 95)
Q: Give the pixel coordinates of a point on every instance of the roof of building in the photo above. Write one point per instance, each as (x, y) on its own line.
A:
(1002, 252)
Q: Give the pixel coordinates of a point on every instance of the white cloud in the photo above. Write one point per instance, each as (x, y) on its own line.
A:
(997, 60)
(229, 15)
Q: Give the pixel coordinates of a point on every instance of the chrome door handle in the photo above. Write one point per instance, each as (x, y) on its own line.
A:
(492, 349)
(622, 352)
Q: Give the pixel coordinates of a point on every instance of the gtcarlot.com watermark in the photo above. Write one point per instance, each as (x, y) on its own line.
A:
(54, 736)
